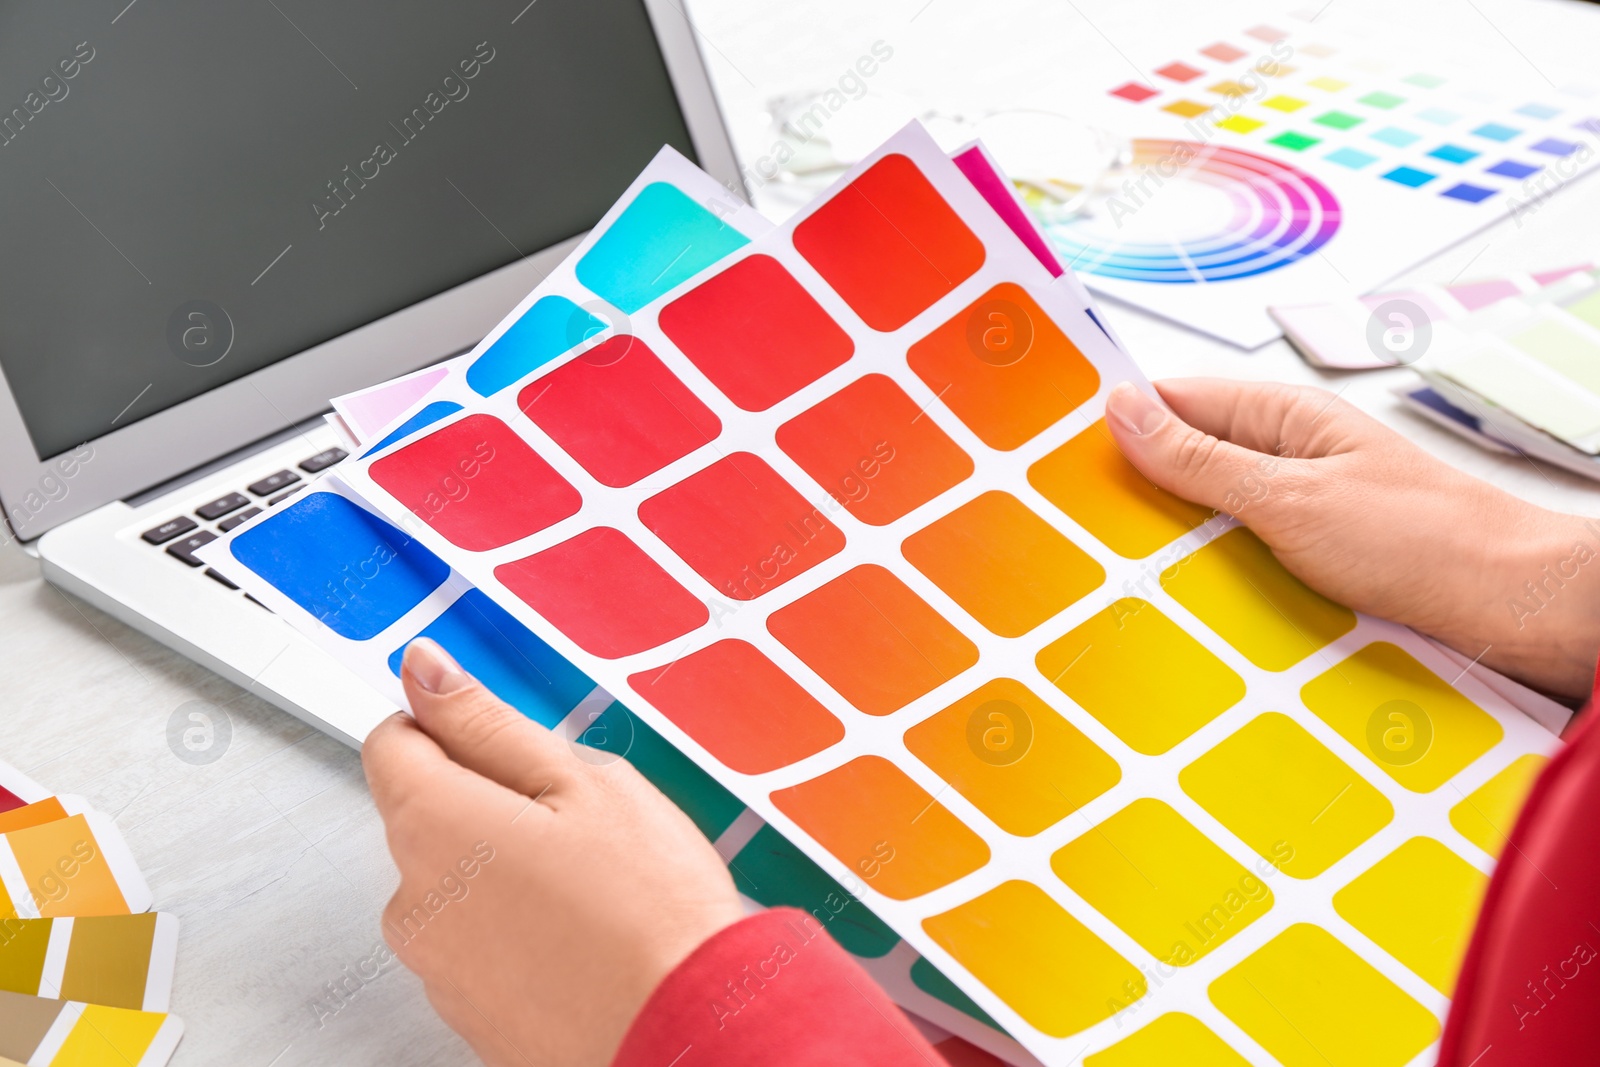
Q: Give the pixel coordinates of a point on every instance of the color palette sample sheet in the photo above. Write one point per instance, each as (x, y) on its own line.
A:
(62, 1033)
(1283, 163)
(840, 520)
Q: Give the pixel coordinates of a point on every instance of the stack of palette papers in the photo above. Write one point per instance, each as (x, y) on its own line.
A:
(820, 526)
(1512, 364)
(85, 966)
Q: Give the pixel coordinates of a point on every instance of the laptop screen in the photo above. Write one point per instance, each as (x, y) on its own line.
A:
(190, 191)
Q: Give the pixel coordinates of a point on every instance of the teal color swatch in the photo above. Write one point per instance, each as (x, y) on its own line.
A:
(708, 805)
(771, 871)
(932, 981)
(659, 241)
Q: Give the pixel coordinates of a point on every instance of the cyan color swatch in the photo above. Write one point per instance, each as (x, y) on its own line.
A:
(1410, 176)
(1352, 158)
(1453, 153)
(659, 241)
(553, 325)
(1394, 135)
(1496, 131)
(507, 657)
(343, 564)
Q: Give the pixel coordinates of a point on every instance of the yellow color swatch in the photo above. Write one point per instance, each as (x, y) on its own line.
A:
(1419, 904)
(1187, 109)
(66, 869)
(1413, 724)
(1311, 1002)
(1240, 124)
(108, 1036)
(1173, 1039)
(1005, 565)
(1135, 670)
(1050, 968)
(1013, 757)
(1238, 588)
(1090, 480)
(1285, 795)
(1486, 815)
(1162, 882)
(1327, 84)
(1230, 88)
(1286, 104)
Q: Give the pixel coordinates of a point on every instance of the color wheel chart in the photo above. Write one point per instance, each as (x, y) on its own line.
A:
(1277, 166)
(1247, 215)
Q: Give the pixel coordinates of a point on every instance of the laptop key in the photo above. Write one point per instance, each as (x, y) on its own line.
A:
(323, 460)
(186, 549)
(273, 482)
(169, 529)
(216, 576)
(221, 506)
(285, 496)
(238, 520)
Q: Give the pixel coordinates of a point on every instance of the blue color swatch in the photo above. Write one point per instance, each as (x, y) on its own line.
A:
(1394, 135)
(1352, 158)
(1539, 111)
(429, 415)
(1552, 147)
(553, 325)
(343, 564)
(507, 657)
(1510, 168)
(1472, 194)
(659, 241)
(1410, 176)
(1453, 153)
(1494, 131)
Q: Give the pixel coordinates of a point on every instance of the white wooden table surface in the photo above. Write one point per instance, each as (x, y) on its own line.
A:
(272, 856)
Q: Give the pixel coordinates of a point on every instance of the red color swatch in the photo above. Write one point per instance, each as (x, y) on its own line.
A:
(873, 639)
(889, 244)
(741, 706)
(1179, 72)
(478, 484)
(1269, 34)
(601, 590)
(874, 450)
(1135, 92)
(10, 801)
(756, 333)
(741, 526)
(1224, 53)
(619, 412)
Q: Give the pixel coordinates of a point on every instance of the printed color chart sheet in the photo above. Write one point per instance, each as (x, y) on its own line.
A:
(840, 518)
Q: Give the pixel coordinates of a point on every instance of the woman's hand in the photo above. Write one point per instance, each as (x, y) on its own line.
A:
(1370, 520)
(542, 897)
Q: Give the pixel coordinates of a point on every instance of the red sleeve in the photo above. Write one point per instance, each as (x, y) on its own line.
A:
(1529, 991)
(772, 990)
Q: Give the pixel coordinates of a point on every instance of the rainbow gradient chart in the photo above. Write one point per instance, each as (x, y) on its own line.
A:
(1297, 163)
(1237, 214)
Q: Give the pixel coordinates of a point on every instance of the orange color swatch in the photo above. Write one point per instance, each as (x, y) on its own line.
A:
(66, 869)
(741, 706)
(886, 828)
(874, 450)
(1013, 757)
(874, 640)
(1004, 368)
(1006, 566)
(1090, 480)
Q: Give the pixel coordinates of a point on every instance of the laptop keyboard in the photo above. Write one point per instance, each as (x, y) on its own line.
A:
(183, 535)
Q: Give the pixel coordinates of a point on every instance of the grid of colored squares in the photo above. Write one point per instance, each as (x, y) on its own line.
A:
(872, 644)
(1373, 106)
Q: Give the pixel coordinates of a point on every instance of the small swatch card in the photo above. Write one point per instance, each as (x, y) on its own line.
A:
(122, 961)
(17, 789)
(38, 1032)
(839, 519)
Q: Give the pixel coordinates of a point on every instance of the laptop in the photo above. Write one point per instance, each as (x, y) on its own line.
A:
(218, 217)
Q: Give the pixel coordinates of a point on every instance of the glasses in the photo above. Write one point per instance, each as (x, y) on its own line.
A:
(1062, 164)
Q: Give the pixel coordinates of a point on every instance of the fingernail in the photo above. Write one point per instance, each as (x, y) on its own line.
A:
(433, 668)
(1134, 410)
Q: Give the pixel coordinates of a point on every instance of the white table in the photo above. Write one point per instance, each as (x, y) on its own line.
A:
(272, 856)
